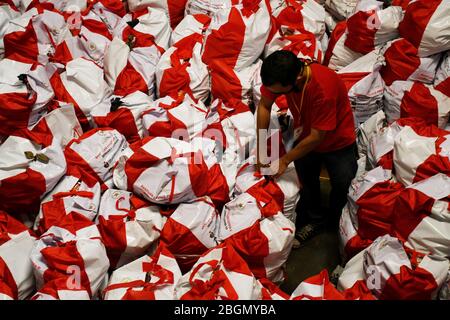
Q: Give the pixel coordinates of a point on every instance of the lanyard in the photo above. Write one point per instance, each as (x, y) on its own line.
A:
(308, 78)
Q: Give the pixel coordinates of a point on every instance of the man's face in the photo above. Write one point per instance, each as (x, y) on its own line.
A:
(278, 88)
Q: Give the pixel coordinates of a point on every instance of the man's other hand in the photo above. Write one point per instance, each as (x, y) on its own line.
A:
(278, 167)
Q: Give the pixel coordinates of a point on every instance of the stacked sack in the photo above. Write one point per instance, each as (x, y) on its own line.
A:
(394, 62)
(128, 143)
(401, 191)
(127, 137)
(400, 52)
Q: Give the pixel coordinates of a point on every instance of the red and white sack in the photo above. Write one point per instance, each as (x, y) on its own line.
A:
(391, 274)
(16, 271)
(415, 99)
(271, 291)
(146, 278)
(173, 118)
(92, 31)
(131, 65)
(109, 11)
(95, 154)
(338, 55)
(335, 34)
(381, 146)
(61, 289)
(191, 231)
(304, 45)
(297, 17)
(170, 171)
(368, 129)
(370, 206)
(232, 124)
(422, 216)
(191, 24)
(18, 29)
(403, 63)
(220, 274)
(341, 10)
(124, 113)
(228, 83)
(71, 194)
(319, 287)
(7, 13)
(209, 7)
(276, 7)
(59, 125)
(425, 26)
(287, 187)
(33, 36)
(365, 85)
(181, 69)
(371, 26)
(260, 233)
(442, 79)
(94, 28)
(87, 44)
(111, 6)
(25, 92)
(237, 35)
(365, 196)
(28, 169)
(72, 250)
(401, 3)
(421, 154)
(173, 8)
(350, 242)
(61, 5)
(147, 22)
(82, 85)
(128, 226)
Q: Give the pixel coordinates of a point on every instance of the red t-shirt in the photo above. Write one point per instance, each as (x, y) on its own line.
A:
(326, 107)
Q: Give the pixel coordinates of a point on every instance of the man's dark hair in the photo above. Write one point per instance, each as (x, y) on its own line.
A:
(281, 67)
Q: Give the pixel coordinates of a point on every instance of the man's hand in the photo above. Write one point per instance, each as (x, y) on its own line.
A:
(262, 124)
(279, 167)
(260, 166)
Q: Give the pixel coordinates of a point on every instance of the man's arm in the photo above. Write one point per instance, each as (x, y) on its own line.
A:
(304, 147)
(262, 123)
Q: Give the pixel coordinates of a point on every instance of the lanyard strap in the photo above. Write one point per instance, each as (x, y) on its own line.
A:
(308, 78)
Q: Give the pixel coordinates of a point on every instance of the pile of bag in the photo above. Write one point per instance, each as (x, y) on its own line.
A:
(402, 190)
(126, 153)
(128, 146)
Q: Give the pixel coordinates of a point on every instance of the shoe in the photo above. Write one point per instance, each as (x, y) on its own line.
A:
(307, 232)
(334, 277)
(296, 244)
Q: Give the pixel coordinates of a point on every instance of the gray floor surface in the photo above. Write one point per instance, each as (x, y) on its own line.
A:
(320, 252)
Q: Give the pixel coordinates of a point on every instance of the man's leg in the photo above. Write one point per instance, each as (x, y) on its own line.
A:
(309, 214)
(341, 166)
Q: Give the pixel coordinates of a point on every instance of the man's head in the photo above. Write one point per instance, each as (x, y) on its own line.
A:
(280, 72)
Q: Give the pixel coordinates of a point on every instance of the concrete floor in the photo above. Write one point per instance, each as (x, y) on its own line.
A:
(320, 252)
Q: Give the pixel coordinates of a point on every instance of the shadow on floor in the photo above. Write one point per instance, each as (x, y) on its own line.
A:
(321, 252)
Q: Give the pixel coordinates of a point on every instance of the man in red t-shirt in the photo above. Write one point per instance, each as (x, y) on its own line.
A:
(324, 132)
